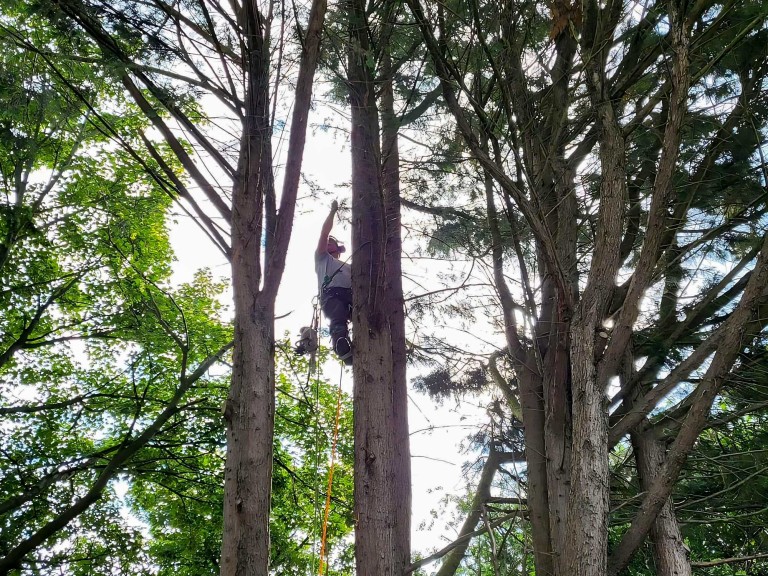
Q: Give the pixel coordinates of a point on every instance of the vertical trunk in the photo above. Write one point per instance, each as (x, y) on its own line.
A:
(561, 213)
(532, 404)
(395, 312)
(587, 533)
(382, 477)
(553, 357)
(250, 417)
(669, 552)
(250, 405)
(557, 438)
(587, 516)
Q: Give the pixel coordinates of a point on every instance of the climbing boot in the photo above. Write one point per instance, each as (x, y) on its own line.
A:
(343, 349)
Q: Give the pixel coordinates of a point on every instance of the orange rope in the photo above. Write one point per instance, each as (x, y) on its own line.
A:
(330, 480)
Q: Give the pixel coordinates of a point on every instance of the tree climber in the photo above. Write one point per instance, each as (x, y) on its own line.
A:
(335, 282)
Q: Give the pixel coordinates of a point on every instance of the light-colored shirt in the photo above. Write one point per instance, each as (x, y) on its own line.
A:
(340, 273)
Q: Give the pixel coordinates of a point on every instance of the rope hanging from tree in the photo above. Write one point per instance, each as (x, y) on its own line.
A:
(323, 538)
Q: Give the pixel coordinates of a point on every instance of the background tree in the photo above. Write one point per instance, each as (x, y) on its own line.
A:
(98, 360)
(382, 453)
(118, 52)
(605, 179)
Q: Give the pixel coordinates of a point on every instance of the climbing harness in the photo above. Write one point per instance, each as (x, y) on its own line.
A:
(327, 279)
(342, 346)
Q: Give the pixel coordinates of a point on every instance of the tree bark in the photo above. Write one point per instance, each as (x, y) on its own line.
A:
(588, 505)
(251, 403)
(250, 406)
(382, 456)
(669, 552)
(395, 302)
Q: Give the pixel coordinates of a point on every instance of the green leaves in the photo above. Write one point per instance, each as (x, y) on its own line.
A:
(95, 346)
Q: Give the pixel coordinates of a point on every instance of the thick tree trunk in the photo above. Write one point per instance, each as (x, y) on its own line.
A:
(587, 533)
(669, 552)
(250, 406)
(250, 417)
(587, 516)
(251, 403)
(395, 308)
(382, 456)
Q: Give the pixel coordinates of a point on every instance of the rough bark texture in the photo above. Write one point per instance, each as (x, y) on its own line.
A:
(250, 406)
(587, 535)
(382, 455)
(390, 166)
(250, 414)
(669, 552)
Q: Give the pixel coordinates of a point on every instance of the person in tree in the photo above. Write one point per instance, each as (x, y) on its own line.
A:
(335, 283)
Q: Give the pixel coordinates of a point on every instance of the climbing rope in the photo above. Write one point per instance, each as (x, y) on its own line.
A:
(323, 539)
(314, 323)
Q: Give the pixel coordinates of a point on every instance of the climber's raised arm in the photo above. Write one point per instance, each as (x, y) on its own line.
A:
(325, 231)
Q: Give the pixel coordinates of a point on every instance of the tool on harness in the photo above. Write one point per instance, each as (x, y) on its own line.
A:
(307, 342)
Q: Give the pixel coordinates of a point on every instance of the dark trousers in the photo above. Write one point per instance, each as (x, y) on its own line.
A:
(337, 307)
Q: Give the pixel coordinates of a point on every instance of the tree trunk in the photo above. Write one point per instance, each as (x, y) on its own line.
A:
(382, 456)
(250, 406)
(395, 306)
(669, 552)
(248, 472)
(587, 516)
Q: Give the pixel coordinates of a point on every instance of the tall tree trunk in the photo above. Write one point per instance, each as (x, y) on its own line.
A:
(669, 552)
(250, 406)
(395, 306)
(587, 533)
(382, 457)
(250, 415)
